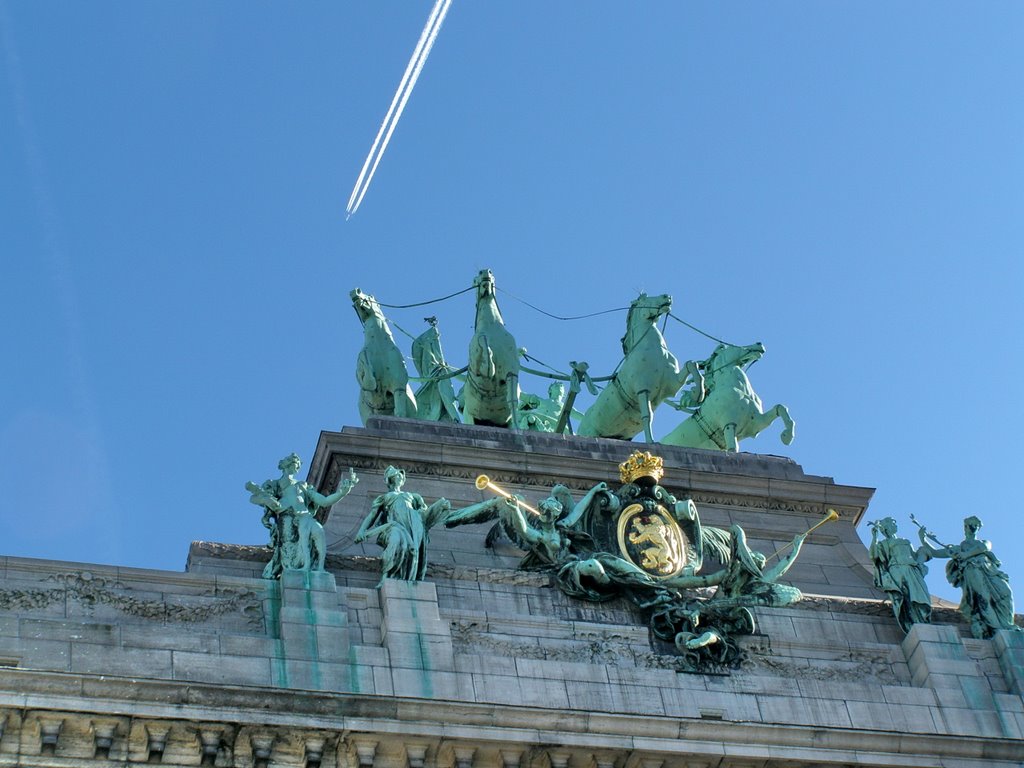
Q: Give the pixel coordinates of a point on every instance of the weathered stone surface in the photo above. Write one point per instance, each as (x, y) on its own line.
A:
(483, 660)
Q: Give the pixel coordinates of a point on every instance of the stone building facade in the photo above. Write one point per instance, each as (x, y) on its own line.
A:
(485, 666)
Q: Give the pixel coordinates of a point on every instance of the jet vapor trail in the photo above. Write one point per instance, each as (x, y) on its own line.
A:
(408, 82)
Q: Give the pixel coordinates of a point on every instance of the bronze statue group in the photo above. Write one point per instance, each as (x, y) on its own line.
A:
(720, 404)
(986, 602)
(639, 542)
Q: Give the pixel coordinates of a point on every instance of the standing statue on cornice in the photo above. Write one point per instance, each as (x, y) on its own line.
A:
(731, 410)
(290, 508)
(401, 520)
(435, 399)
(900, 572)
(987, 601)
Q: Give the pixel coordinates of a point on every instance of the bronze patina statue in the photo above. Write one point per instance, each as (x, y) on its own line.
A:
(648, 375)
(401, 521)
(538, 414)
(380, 368)
(435, 399)
(491, 394)
(900, 571)
(643, 543)
(290, 507)
(987, 601)
(731, 410)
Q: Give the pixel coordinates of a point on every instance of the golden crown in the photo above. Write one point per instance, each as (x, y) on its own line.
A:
(641, 464)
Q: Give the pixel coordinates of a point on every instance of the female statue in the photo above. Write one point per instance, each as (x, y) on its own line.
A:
(400, 520)
(987, 601)
(290, 508)
(899, 571)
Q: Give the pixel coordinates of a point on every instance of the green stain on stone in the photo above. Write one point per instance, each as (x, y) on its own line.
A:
(280, 671)
(312, 620)
(428, 687)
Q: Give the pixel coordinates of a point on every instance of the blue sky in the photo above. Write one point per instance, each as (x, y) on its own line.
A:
(842, 181)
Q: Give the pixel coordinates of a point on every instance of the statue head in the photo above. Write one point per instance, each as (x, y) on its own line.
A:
(290, 463)
(972, 525)
(394, 476)
(550, 510)
(887, 526)
(556, 392)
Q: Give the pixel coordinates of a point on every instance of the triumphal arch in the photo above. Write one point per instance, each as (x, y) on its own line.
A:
(480, 578)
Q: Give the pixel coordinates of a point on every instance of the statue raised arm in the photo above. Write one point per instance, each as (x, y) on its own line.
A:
(900, 571)
(290, 508)
(987, 602)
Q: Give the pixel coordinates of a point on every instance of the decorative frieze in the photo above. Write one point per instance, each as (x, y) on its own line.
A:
(90, 590)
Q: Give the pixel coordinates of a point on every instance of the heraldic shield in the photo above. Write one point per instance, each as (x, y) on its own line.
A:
(649, 537)
(641, 528)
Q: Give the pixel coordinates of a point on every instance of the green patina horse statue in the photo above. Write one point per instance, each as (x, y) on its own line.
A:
(731, 411)
(646, 377)
(380, 368)
(491, 394)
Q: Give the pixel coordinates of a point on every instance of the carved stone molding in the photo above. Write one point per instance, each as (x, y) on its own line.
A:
(90, 590)
(340, 462)
(594, 647)
(857, 665)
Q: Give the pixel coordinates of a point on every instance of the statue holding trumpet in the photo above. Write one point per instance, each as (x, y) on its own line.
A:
(643, 544)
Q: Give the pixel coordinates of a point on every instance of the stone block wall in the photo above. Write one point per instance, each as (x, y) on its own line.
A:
(484, 666)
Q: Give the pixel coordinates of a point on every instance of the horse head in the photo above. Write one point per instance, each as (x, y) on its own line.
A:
(486, 302)
(484, 284)
(729, 356)
(644, 311)
(369, 312)
(366, 306)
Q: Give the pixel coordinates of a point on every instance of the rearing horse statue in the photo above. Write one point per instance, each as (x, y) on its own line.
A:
(732, 410)
(380, 368)
(491, 394)
(646, 377)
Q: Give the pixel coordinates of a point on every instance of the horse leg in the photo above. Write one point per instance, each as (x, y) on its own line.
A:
(790, 429)
(763, 420)
(646, 413)
(364, 372)
(405, 403)
(732, 443)
(690, 370)
(512, 397)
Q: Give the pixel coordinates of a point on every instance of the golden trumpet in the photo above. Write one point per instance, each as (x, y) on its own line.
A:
(483, 481)
(832, 515)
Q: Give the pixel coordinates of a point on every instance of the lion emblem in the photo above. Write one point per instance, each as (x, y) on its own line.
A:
(665, 554)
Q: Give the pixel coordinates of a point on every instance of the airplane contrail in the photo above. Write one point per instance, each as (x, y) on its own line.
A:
(408, 82)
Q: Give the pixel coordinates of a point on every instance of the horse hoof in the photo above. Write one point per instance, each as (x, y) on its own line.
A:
(787, 436)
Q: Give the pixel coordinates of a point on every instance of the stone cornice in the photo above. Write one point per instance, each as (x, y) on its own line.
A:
(539, 459)
(525, 727)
